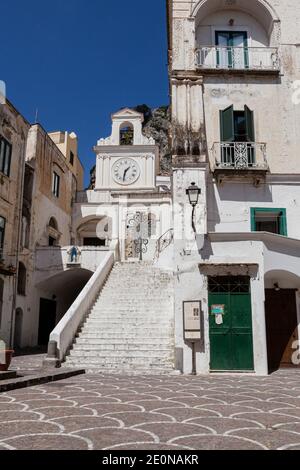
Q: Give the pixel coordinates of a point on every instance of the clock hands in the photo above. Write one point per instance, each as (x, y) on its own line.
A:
(125, 172)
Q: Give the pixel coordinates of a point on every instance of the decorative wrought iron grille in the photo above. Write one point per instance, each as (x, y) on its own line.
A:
(223, 284)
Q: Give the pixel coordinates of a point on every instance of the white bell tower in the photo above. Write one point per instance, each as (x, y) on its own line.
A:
(127, 161)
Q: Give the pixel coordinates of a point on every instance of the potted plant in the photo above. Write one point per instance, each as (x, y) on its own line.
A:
(5, 357)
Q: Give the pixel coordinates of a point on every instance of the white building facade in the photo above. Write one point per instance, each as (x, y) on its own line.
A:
(233, 65)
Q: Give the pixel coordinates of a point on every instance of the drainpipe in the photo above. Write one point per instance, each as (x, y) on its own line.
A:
(20, 211)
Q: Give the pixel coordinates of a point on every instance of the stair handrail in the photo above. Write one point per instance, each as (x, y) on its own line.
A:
(163, 242)
(62, 337)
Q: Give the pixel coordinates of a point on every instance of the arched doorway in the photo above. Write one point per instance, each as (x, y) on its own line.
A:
(282, 319)
(18, 329)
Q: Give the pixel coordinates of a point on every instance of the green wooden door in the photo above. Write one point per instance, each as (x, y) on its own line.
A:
(231, 342)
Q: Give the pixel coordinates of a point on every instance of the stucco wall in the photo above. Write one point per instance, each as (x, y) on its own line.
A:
(14, 129)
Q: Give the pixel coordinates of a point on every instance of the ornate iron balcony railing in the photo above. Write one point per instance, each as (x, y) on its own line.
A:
(240, 156)
(238, 58)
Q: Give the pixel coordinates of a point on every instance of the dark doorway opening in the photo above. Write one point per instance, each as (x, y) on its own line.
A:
(93, 241)
(47, 320)
(18, 328)
(282, 327)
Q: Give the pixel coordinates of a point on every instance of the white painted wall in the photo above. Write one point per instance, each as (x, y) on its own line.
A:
(229, 205)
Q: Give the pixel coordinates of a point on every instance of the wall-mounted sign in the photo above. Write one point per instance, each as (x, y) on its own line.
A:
(218, 310)
(192, 313)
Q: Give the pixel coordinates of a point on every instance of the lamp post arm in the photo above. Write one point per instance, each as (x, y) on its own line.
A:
(193, 219)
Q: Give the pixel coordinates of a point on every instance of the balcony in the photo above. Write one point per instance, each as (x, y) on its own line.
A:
(240, 158)
(237, 59)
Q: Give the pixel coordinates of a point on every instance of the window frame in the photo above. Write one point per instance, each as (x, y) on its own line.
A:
(2, 234)
(230, 34)
(5, 160)
(56, 184)
(274, 210)
(22, 282)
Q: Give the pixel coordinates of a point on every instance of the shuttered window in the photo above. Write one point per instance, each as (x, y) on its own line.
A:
(237, 126)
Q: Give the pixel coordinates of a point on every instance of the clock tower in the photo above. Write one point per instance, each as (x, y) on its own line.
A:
(127, 161)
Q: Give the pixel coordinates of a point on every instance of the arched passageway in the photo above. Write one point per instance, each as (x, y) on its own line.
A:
(56, 295)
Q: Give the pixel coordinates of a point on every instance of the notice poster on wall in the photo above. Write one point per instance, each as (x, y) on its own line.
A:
(192, 320)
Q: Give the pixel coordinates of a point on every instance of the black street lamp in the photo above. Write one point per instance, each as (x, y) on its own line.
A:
(193, 192)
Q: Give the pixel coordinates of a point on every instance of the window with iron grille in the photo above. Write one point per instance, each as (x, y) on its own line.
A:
(223, 284)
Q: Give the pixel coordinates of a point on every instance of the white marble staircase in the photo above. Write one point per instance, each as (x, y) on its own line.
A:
(130, 329)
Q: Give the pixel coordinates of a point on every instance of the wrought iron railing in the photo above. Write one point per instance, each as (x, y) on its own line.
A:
(163, 242)
(240, 155)
(238, 58)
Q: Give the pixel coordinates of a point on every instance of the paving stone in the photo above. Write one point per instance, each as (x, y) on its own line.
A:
(106, 438)
(272, 439)
(212, 442)
(49, 442)
(154, 413)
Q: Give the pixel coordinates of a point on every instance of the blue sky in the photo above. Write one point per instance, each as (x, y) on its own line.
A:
(78, 61)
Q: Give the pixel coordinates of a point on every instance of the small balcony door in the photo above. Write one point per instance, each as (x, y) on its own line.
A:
(232, 50)
(237, 138)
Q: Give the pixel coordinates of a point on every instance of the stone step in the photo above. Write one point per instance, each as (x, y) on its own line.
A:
(126, 362)
(131, 325)
(121, 336)
(131, 371)
(112, 355)
(119, 343)
(8, 374)
(123, 329)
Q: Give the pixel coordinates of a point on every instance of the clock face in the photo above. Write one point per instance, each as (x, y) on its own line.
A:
(125, 171)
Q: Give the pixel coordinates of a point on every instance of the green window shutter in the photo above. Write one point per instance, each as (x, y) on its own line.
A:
(227, 124)
(283, 223)
(281, 212)
(253, 223)
(249, 124)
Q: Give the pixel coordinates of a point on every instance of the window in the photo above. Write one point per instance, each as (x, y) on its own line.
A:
(21, 279)
(72, 158)
(237, 126)
(5, 156)
(269, 220)
(55, 184)
(2, 233)
(233, 49)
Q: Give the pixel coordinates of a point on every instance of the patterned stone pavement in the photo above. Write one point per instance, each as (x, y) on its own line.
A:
(154, 413)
